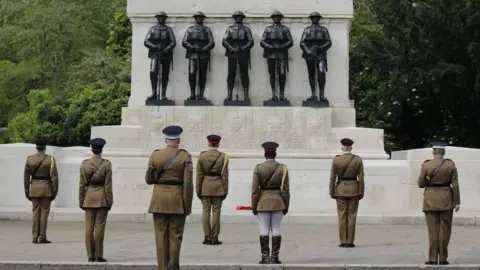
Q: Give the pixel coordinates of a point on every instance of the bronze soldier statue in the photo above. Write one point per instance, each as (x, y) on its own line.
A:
(439, 177)
(270, 201)
(276, 40)
(198, 41)
(314, 43)
(212, 187)
(347, 188)
(95, 198)
(170, 171)
(41, 188)
(238, 42)
(160, 41)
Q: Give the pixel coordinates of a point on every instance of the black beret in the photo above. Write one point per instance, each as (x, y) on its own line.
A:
(346, 142)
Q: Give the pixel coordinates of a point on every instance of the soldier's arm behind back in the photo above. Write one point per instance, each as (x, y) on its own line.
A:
(81, 185)
(108, 184)
(187, 184)
(224, 173)
(455, 185)
(26, 177)
(286, 188)
(54, 176)
(255, 188)
(361, 178)
(150, 174)
(333, 178)
(422, 176)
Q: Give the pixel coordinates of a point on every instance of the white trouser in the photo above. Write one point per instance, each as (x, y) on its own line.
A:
(270, 221)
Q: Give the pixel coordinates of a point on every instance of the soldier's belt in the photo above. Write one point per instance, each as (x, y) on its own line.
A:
(347, 178)
(41, 178)
(168, 182)
(437, 185)
(213, 174)
(95, 186)
(270, 188)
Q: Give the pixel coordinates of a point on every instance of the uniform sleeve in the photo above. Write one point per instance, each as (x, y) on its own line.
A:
(147, 41)
(255, 188)
(263, 41)
(225, 43)
(250, 42)
(289, 43)
(455, 186)
(108, 185)
(188, 186)
(327, 41)
(361, 179)
(200, 176)
(224, 173)
(422, 177)
(333, 178)
(173, 41)
(26, 179)
(286, 189)
(81, 187)
(54, 176)
(303, 44)
(186, 41)
(150, 174)
(211, 41)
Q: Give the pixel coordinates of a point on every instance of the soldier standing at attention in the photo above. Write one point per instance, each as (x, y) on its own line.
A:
(212, 187)
(347, 187)
(270, 201)
(41, 187)
(95, 198)
(442, 194)
(170, 171)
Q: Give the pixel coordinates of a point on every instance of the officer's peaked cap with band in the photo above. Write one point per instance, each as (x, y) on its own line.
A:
(315, 14)
(97, 143)
(346, 142)
(270, 146)
(214, 139)
(40, 142)
(161, 14)
(439, 145)
(199, 14)
(173, 132)
(276, 13)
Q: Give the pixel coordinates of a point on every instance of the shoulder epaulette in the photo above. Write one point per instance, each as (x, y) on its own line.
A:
(450, 160)
(156, 150)
(337, 155)
(203, 152)
(426, 161)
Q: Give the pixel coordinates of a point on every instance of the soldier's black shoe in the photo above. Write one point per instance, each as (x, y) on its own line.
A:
(100, 259)
(216, 242)
(430, 262)
(349, 245)
(265, 249)
(35, 241)
(91, 259)
(44, 241)
(342, 245)
(443, 263)
(207, 242)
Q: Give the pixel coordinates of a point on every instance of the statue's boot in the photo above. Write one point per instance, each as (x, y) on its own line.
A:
(200, 95)
(265, 249)
(154, 81)
(245, 94)
(164, 90)
(314, 94)
(274, 94)
(282, 91)
(193, 84)
(229, 93)
(321, 82)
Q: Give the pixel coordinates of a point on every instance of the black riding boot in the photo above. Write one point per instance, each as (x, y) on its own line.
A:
(245, 94)
(276, 241)
(265, 249)
(153, 81)
(229, 94)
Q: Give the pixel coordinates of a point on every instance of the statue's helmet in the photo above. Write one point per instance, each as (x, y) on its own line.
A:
(315, 15)
(161, 14)
(276, 14)
(199, 14)
(238, 14)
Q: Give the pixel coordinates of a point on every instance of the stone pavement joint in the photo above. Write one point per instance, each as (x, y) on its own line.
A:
(132, 246)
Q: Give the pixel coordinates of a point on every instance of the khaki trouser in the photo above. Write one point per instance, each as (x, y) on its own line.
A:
(40, 212)
(213, 205)
(168, 238)
(347, 208)
(439, 224)
(95, 222)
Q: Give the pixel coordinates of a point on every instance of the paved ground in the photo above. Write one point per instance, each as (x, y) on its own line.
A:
(303, 244)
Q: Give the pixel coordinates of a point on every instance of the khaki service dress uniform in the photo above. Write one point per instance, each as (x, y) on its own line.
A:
(347, 188)
(270, 201)
(41, 188)
(440, 179)
(170, 170)
(212, 189)
(96, 199)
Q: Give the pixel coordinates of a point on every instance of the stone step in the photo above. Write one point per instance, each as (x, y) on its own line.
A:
(146, 266)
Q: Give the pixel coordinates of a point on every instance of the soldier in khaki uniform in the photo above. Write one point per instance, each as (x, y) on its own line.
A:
(41, 187)
(442, 194)
(95, 198)
(170, 171)
(270, 201)
(212, 187)
(347, 188)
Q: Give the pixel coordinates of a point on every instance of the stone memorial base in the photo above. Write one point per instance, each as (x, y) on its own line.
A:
(234, 103)
(159, 102)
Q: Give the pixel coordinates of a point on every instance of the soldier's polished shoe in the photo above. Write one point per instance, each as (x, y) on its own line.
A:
(100, 259)
(312, 98)
(35, 241)
(430, 262)
(443, 263)
(44, 241)
(91, 259)
(207, 241)
(342, 245)
(276, 243)
(265, 249)
(216, 242)
(349, 245)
